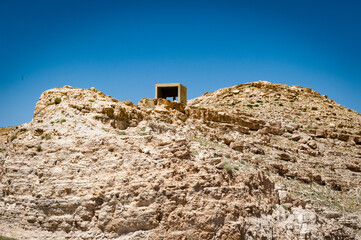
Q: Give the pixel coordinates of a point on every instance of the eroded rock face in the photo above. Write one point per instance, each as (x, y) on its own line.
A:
(91, 167)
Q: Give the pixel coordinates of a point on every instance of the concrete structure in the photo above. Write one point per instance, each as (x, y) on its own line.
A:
(174, 90)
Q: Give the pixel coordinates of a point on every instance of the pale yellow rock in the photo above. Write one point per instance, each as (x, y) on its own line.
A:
(91, 167)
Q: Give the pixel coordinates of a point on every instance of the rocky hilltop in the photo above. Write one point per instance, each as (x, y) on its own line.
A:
(253, 161)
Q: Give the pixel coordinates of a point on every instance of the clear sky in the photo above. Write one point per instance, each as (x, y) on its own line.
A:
(123, 48)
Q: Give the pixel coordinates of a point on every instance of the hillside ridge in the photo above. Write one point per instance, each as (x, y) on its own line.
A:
(256, 160)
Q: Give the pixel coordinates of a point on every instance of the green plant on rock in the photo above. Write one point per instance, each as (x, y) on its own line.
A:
(46, 137)
(195, 153)
(6, 238)
(57, 100)
(121, 132)
(228, 167)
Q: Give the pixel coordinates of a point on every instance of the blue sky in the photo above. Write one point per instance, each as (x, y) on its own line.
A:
(124, 47)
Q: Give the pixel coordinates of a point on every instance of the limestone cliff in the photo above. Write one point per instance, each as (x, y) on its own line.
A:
(254, 161)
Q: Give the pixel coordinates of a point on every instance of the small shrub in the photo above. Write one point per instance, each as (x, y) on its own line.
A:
(52, 122)
(250, 106)
(46, 137)
(287, 208)
(236, 168)
(57, 100)
(12, 138)
(228, 167)
(140, 150)
(142, 134)
(281, 104)
(91, 100)
(39, 148)
(62, 111)
(195, 153)
(143, 129)
(62, 120)
(228, 156)
(121, 132)
(292, 100)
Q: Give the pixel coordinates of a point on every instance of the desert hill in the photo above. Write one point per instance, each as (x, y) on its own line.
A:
(253, 161)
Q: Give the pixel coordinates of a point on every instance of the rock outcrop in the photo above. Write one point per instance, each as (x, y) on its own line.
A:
(254, 161)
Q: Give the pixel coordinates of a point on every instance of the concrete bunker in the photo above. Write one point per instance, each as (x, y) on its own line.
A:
(174, 90)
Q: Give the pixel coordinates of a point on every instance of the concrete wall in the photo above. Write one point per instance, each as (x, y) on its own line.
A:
(182, 91)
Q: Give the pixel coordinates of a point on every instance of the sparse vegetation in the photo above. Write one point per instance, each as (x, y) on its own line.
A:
(46, 137)
(39, 149)
(195, 153)
(13, 137)
(57, 100)
(121, 132)
(205, 142)
(229, 167)
(6, 238)
(347, 201)
(91, 100)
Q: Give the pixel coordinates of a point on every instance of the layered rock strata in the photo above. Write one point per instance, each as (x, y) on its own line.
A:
(255, 161)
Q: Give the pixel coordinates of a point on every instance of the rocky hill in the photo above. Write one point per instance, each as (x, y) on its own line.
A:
(254, 161)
